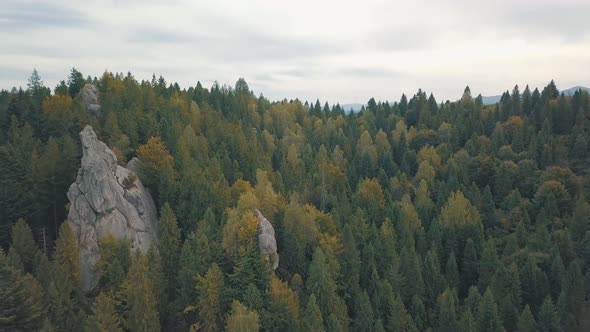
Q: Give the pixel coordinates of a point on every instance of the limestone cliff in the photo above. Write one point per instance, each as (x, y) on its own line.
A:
(107, 199)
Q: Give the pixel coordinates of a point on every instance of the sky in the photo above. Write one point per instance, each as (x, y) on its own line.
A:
(337, 51)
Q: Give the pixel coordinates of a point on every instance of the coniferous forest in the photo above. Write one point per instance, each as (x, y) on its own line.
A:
(409, 215)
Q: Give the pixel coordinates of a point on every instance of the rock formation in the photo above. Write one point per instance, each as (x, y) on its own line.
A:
(89, 96)
(107, 199)
(267, 244)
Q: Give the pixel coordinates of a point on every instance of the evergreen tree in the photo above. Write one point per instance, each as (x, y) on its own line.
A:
(363, 318)
(411, 270)
(321, 283)
(312, 317)
(548, 317)
(23, 244)
(446, 312)
(210, 288)
(241, 319)
(22, 306)
(67, 255)
(526, 321)
(451, 272)
(142, 314)
(469, 266)
(468, 323)
(195, 257)
(351, 262)
(488, 264)
(105, 317)
(169, 242)
(283, 307)
(487, 314)
(399, 319)
(433, 279)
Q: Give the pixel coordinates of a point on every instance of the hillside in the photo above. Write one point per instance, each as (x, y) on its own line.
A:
(413, 215)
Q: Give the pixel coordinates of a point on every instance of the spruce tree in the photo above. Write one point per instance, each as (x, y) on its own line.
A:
(169, 245)
(67, 254)
(241, 319)
(446, 312)
(105, 317)
(488, 319)
(142, 313)
(451, 272)
(22, 306)
(210, 288)
(469, 266)
(488, 264)
(526, 321)
(363, 318)
(23, 243)
(312, 317)
(548, 317)
(399, 318)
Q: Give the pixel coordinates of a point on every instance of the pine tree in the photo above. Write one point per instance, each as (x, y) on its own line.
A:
(418, 312)
(548, 317)
(452, 272)
(142, 313)
(23, 244)
(105, 317)
(22, 306)
(469, 266)
(169, 243)
(488, 319)
(241, 319)
(526, 321)
(399, 319)
(195, 257)
(283, 307)
(351, 262)
(321, 283)
(312, 317)
(67, 254)
(446, 312)
(411, 269)
(433, 279)
(64, 299)
(534, 283)
(468, 323)
(363, 319)
(488, 264)
(581, 220)
(210, 288)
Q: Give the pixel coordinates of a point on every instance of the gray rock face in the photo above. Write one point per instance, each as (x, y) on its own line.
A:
(107, 200)
(89, 96)
(267, 243)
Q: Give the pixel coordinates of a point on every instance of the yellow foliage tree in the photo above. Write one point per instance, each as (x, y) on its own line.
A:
(153, 158)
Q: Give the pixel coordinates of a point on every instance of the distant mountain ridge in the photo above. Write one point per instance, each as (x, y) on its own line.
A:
(490, 100)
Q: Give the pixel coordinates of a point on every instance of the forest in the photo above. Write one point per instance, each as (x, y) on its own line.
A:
(409, 215)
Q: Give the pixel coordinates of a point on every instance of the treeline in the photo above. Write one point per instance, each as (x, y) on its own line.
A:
(412, 215)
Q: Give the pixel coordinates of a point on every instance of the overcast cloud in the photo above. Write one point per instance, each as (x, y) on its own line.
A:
(340, 51)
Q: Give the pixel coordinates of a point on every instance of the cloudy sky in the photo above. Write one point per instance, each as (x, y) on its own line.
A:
(345, 51)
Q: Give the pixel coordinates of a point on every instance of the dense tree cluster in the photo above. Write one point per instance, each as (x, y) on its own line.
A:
(406, 216)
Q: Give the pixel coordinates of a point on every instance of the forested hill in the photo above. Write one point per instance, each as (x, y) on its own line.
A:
(411, 215)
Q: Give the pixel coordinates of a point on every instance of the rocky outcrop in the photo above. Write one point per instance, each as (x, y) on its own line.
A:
(267, 243)
(107, 199)
(89, 96)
